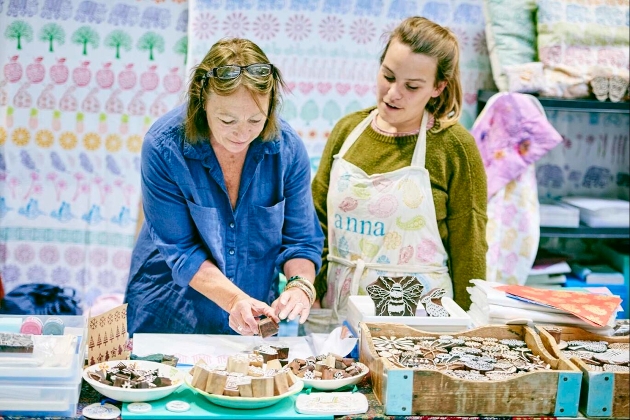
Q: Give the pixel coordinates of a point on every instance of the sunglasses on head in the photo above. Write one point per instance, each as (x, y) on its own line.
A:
(232, 71)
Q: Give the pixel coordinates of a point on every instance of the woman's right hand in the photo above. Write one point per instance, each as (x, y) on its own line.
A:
(243, 313)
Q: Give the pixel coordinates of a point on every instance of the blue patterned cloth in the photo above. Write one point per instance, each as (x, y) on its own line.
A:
(189, 219)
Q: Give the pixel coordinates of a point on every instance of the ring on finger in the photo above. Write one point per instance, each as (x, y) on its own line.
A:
(299, 303)
(240, 328)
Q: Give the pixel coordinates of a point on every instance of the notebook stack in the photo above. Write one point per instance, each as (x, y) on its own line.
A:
(601, 212)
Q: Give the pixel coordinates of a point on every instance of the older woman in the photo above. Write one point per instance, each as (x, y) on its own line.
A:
(227, 201)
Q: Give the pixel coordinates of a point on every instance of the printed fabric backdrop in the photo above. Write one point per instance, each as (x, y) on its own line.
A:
(81, 82)
(328, 50)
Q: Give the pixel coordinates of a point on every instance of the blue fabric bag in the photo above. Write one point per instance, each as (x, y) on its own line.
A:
(40, 299)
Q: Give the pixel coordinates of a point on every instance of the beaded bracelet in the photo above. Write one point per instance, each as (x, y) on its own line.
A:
(304, 285)
(305, 281)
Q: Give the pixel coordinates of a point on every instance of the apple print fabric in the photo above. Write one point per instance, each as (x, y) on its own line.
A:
(80, 83)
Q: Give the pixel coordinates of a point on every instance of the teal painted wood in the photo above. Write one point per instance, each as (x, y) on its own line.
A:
(399, 392)
(597, 394)
(568, 394)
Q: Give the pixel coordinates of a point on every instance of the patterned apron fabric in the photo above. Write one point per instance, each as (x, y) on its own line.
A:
(381, 224)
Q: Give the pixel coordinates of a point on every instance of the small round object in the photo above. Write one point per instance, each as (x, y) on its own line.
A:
(139, 407)
(177, 406)
(100, 411)
(32, 325)
(53, 326)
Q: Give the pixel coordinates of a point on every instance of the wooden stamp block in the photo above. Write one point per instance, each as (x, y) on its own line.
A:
(238, 364)
(200, 377)
(280, 383)
(216, 383)
(255, 360)
(274, 364)
(395, 296)
(245, 388)
(283, 352)
(267, 327)
(267, 352)
(231, 392)
(262, 387)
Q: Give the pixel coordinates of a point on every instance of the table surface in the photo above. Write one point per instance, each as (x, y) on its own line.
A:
(375, 411)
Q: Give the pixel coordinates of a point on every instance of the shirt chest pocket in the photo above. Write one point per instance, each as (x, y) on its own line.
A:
(207, 222)
(264, 234)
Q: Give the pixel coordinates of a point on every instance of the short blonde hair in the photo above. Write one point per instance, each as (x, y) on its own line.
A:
(231, 51)
(426, 37)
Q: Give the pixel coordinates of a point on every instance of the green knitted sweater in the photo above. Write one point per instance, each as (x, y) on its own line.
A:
(458, 184)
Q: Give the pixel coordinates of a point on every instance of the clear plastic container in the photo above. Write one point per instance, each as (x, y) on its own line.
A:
(44, 384)
(39, 399)
(57, 369)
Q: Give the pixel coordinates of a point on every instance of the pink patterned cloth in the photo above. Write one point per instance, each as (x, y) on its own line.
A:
(512, 132)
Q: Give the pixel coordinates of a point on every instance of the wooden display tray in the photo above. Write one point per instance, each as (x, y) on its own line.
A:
(604, 394)
(404, 391)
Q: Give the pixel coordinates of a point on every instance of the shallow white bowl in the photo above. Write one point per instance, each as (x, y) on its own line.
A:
(333, 384)
(246, 403)
(136, 395)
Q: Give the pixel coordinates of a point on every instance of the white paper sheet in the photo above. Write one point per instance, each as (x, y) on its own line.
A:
(215, 349)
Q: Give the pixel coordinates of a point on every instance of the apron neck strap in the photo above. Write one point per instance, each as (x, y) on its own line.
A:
(420, 152)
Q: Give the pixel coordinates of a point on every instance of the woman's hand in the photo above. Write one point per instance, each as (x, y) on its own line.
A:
(243, 312)
(291, 304)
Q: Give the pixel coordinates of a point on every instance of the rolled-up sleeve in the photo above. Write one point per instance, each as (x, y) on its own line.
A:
(302, 235)
(166, 212)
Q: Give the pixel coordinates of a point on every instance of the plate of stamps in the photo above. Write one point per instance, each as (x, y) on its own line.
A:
(328, 372)
(246, 382)
(133, 381)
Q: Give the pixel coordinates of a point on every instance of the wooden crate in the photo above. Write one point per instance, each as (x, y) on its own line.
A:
(604, 394)
(404, 391)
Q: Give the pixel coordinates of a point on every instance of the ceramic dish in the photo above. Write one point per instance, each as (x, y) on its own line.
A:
(135, 395)
(334, 384)
(247, 403)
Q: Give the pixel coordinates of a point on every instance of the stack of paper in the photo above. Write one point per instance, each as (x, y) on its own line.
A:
(543, 280)
(597, 274)
(601, 212)
(490, 305)
(557, 214)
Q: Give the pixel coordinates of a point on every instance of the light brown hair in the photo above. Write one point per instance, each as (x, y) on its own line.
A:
(231, 51)
(426, 37)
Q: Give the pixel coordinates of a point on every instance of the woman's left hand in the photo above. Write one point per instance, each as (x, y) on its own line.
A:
(291, 304)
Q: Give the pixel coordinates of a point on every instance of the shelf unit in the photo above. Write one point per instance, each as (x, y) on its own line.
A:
(584, 231)
(559, 104)
(574, 105)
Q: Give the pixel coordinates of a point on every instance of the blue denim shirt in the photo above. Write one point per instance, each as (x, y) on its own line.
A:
(189, 219)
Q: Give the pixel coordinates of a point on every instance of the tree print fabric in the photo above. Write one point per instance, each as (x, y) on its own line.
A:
(81, 83)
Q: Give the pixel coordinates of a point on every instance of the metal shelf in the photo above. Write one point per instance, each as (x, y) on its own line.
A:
(584, 231)
(560, 104)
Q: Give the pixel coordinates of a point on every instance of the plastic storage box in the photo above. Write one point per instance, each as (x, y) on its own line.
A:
(29, 387)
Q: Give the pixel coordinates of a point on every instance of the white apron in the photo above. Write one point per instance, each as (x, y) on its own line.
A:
(381, 224)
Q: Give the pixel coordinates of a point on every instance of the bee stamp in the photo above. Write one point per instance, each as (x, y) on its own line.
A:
(395, 296)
